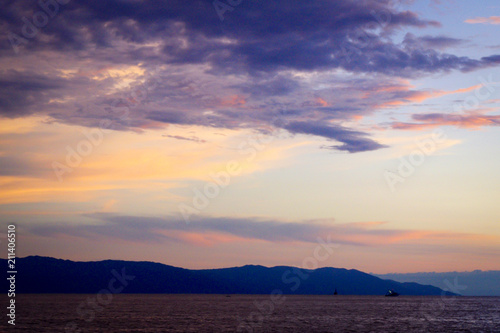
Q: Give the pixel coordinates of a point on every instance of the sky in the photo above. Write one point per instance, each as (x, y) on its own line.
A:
(206, 134)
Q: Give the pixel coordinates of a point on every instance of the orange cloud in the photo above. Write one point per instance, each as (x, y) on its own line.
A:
(484, 20)
(403, 95)
(322, 102)
(204, 238)
(411, 126)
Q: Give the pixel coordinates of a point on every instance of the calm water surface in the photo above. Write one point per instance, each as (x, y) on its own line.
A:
(253, 313)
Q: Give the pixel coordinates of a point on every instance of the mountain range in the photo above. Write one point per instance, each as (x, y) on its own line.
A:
(475, 283)
(49, 275)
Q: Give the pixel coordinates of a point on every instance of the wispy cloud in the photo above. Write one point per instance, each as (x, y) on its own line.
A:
(484, 20)
(402, 93)
(440, 42)
(180, 137)
(352, 141)
(431, 120)
(205, 230)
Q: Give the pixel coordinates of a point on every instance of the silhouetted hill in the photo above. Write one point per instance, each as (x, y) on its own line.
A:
(48, 275)
(476, 283)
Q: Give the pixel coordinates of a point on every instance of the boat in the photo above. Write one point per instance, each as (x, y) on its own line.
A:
(335, 292)
(391, 293)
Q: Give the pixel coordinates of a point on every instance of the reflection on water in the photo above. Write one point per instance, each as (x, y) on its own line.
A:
(254, 313)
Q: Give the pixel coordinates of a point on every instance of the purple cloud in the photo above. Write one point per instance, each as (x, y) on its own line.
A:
(169, 228)
(352, 141)
(195, 62)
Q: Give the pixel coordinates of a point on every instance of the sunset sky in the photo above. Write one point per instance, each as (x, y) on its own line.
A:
(208, 134)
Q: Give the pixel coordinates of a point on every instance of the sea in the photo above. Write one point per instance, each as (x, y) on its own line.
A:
(251, 313)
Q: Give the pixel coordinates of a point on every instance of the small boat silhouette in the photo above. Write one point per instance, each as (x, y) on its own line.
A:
(391, 293)
(335, 292)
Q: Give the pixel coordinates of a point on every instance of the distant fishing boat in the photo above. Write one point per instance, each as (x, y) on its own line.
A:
(335, 292)
(391, 293)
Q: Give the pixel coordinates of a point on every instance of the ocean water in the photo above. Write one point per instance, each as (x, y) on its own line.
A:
(252, 313)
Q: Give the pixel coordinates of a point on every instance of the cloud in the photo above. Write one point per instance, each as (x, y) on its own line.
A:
(259, 37)
(353, 141)
(179, 137)
(161, 63)
(206, 230)
(401, 94)
(21, 91)
(436, 42)
(484, 20)
(430, 120)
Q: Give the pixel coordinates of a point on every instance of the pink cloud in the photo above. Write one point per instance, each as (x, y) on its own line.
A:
(431, 120)
(234, 100)
(484, 20)
(403, 94)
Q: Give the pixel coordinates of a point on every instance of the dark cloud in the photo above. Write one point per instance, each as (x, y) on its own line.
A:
(492, 59)
(279, 85)
(267, 55)
(20, 91)
(353, 141)
(171, 117)
(255, 36)
(432, 42)
(179, 137)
